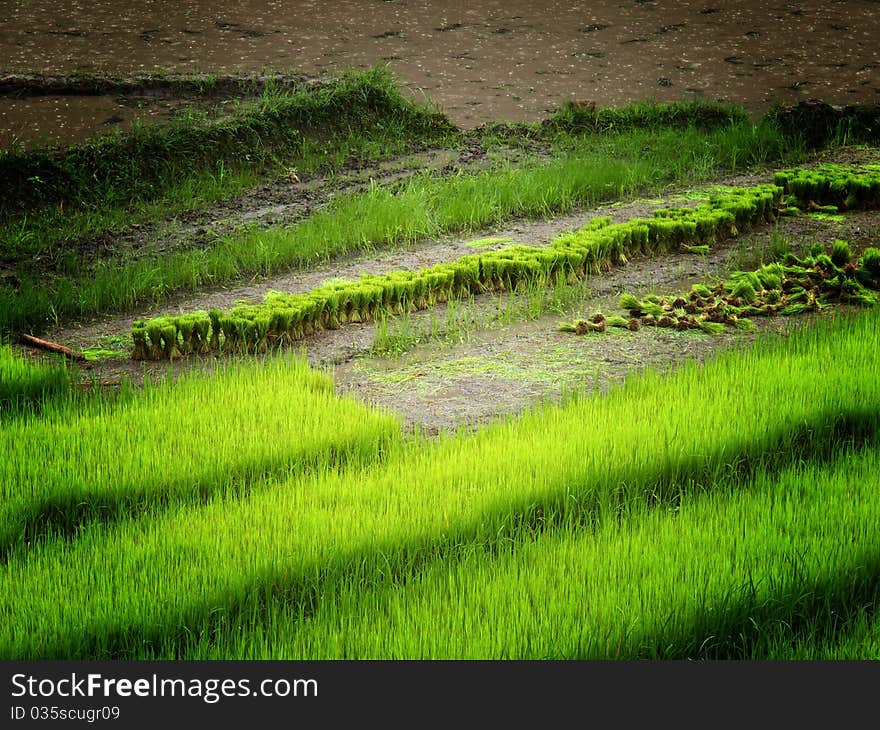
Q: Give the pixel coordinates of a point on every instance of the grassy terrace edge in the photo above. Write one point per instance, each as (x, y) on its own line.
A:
(143, 162)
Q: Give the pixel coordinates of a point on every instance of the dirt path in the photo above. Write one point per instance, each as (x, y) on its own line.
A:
(481, 61)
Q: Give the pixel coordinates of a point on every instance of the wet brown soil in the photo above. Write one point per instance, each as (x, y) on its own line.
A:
(487, 358)
(481, 61)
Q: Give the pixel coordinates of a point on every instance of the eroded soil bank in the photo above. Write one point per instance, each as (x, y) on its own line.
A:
(481, 61)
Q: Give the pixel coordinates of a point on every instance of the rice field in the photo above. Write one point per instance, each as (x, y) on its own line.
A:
(242, 507)
(704, 510)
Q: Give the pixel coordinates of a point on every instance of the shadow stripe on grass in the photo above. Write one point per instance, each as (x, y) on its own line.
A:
(588, 459)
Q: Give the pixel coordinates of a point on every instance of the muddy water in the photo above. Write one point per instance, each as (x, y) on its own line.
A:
(483, 60)
(45, 120)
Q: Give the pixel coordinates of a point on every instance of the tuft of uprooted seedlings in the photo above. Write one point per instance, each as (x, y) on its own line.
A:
(791, 287)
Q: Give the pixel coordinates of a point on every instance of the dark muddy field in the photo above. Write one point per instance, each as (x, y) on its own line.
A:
(481, 61)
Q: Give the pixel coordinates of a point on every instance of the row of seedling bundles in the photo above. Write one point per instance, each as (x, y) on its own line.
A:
(286, 318)
(787, 287)
(846, 188)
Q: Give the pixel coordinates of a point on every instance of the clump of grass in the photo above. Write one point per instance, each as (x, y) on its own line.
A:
(584, 117)
(26, 386)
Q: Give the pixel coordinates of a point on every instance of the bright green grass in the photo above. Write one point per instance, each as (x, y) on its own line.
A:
(25, 386)
(177, 442)
(173, 575)
(852, 634)
(779, 556)
(585, 172)
(486, 242)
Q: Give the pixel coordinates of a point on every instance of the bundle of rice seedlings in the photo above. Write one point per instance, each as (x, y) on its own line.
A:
(651, 307)
(795, 308)
(154, 333)
(743, 290)
(597, 223)
(618, 321)
(712, 328)
(170, 343)
(372, 301)
(868, 269)
(583, 326)
(630, 302)
(331, 311)
(227, 327)
(259, 334)
(186, 327)
(201, 331)
(294, 331)
(214, 316)
(702, 249)
(309, 312)
(141, 347)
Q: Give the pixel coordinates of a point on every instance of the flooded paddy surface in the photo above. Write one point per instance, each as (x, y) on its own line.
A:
(481, 61)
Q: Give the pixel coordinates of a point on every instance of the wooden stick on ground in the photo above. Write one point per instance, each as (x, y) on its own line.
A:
(52, 347)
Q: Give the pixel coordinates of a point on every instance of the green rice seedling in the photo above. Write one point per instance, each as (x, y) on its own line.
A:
(651, 307)
(745, 324)
(262, 323)
(869, 266)
(743, 290)
(214, 316)
(203, 328)
(701, 291)
(154, 333)
(768, 278)
(798, 307)
(228, 328)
